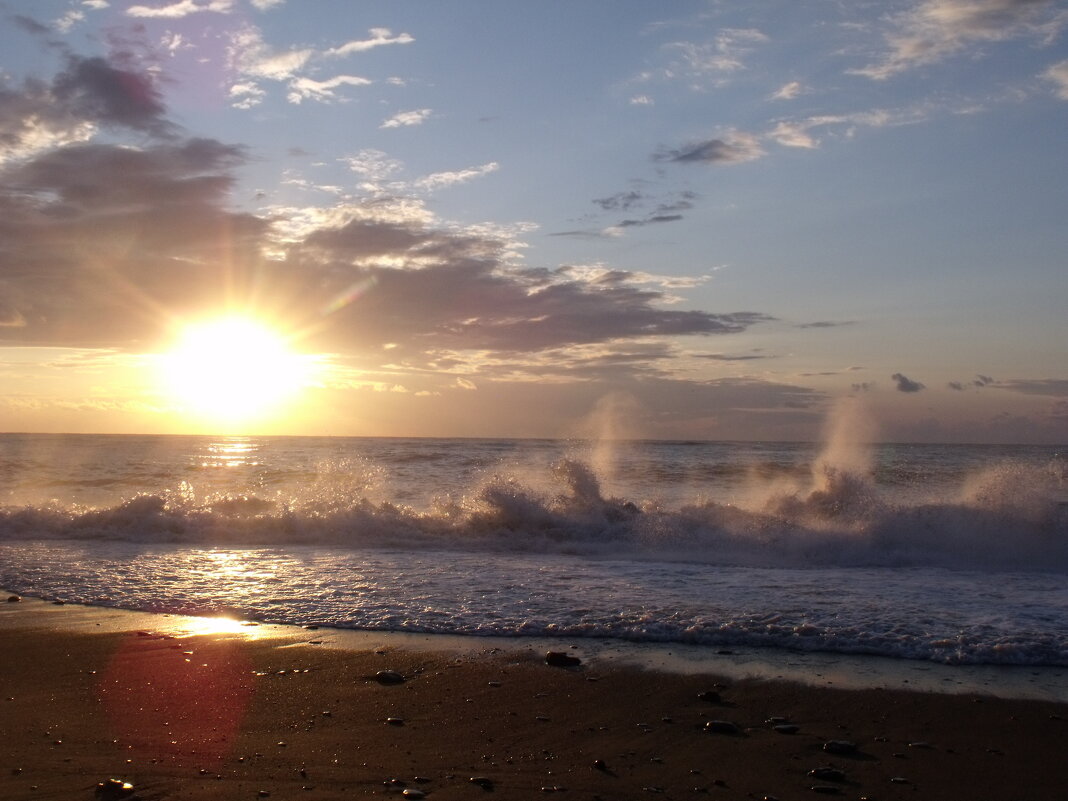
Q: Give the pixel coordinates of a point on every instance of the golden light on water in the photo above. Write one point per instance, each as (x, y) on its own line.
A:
(234, 369)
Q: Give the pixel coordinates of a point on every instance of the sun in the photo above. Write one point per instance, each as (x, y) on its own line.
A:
(233, 369)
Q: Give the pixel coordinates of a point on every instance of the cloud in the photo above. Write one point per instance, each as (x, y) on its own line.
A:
(379, 37)
(933, 30)
(788, 91)
(641, 100)
(621, 201)
(725, 357)
(905, 384)
(1058, 74)
(956, 385)
(1049, 387)
(407, 118)
(826, 324)
(440, 180)
(736, 147)
(651, 220)
(251, 56)
(323, 91)
(88, 94)
(183, 8)
(264, 5)
(69, 20)
(246, 95)
(714, 59)
(375, 165)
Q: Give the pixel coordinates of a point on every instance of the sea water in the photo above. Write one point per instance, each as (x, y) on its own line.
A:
(955, 554)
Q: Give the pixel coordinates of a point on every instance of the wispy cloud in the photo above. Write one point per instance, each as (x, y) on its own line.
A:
(1058, 74)
(932, 30)
(406, 119)
(715, 59)
(379, 37)
(323, 91)
(1050, 387)
(440, 180)
(788, 91)
(254, 60)
(183, 8)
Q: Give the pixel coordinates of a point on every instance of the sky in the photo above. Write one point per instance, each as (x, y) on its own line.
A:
(694, 219)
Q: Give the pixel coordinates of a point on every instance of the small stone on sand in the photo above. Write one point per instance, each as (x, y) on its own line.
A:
(840, 747)
(389, 677)
(722, 727)
(560, 659)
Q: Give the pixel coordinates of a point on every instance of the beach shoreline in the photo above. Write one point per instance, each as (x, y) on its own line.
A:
(94, 694)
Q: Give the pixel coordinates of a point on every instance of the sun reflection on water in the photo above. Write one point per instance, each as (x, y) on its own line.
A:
(231, 452)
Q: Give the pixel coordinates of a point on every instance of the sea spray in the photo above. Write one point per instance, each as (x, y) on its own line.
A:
(950, 553)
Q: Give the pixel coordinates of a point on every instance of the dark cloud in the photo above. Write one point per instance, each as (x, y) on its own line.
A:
(87, 94)
(905, 384)
(826, 324)
(1049, 387)
(863, 386)
(983, 381)
(713, 151)
(957, 385)
(726, 357)
(621, 201)
(684, 202)
(656, 218)
(97, 91)
(30, 25)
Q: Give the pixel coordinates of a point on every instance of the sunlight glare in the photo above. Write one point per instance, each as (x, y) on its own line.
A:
(234, 368)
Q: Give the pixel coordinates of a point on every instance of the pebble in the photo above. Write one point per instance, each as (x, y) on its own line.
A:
(709, 695)
(786, 728)
(482, 781)
(599, 764)
(828, 774)
(722, 727)
(114, 788)
(395, 721)
(840, 747)
(560, 659)
(411, 792)
(13, 599)
(389, 677)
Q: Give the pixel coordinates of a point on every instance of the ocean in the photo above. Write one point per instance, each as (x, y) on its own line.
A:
(953, 554)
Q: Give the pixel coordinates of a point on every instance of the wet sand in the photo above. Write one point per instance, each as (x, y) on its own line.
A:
(270, 712)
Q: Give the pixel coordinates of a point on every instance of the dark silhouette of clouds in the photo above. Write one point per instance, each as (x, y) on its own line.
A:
(906, 384)
(713, 151)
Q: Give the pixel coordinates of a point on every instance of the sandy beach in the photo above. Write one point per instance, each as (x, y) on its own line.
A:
(254, 713)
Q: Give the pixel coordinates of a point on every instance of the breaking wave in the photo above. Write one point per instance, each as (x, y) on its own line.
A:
(1010, 516)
